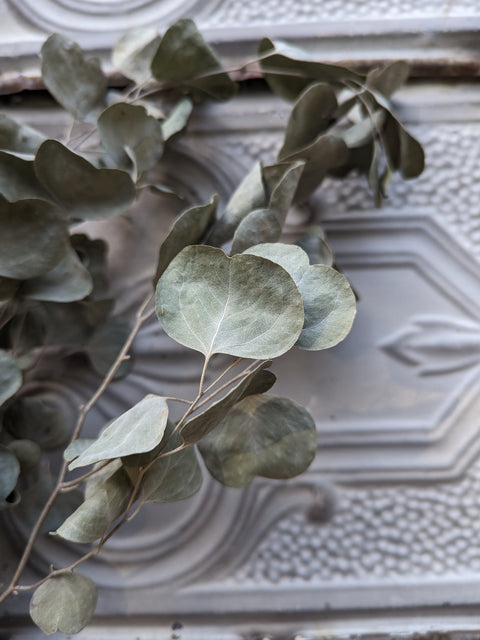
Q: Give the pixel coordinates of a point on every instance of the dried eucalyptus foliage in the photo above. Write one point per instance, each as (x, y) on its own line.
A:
(224, 283)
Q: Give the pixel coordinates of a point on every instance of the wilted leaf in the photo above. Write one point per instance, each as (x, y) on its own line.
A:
(243, 306)
(329, 302)
(66, 282)
(139, 429)
(18, 138)
(288, 71)
(105, 345)
(249, 195)
(389, 78)
(257, 381)
(9, 471)
(130, 134)
(38, 419)
(83, 191)
(189, 228)
(35, 498)
(10, 376)
(34, 238)
(316, 247)
(183, 57)
(133, 53)
(310, 116)
(177, 118)
(64, 603)
(27, 452)
(101, 508)
(261, 436)
(76, 82)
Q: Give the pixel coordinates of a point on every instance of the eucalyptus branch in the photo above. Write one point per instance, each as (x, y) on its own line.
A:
(73, 484)
(83, 411)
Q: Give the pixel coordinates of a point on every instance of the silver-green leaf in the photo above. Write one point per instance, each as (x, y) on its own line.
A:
(64, 603)
(177, 118)
(18, 138)
(139, 429)
(329, 302)
(261, 436)
(76, 82)
(133, 53)
(243, 306)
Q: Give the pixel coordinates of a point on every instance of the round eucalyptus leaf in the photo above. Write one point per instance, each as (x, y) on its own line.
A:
(261, 436)
(9, 472)
(133, 53)
(311, 115)
(18, 180)
(83, 191)
(189, 228)
(64, 603)
(329, 302)
(76, 82)
(66, 282)
(10, 376)
(37, 418)
(33, 239)
(27, 452)
(129, 133)
(183, 57)
(17, 137)
(261, 225)
(101, 508)
(242, 306)
(139, 429)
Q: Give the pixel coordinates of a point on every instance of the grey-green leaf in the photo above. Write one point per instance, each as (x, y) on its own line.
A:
(189, 228)
(261, 436)
(27, 452)
(64, 603)
(315, 245)
(243, 306)
(101, 508)
(183, 57)
(34, 238)
(77, 447)
(76, 82)
(129, 133)
(9, 472)
(133, 53)
(389, 78)
(329, 302)
(177, 118)
(139, 429)
(83, 191)
(69, 280)
(310, 116)
(257, 381)
(261, 225)
(249, 195)
(10, 376)
(18, 138)
(36, 418)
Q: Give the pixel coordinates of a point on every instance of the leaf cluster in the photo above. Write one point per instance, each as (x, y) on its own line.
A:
(224, 282)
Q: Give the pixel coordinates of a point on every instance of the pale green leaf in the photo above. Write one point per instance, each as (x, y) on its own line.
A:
(105, 345)
(329, 302)
(76, 82)
(189, 228)
(101, 508)
(64, 603)
(311, 115)
(66, 282)
(243, 306)
(18, 138)
(138, 430)
(10, 376)
(82, 191)
(249, 195)
(129, 133)
(9, 472)
(77, 447)
(183, 57)
(133, 53)
(257, 381)
(34, 238)
(36, 418)
(177, 118)
(261, 436)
